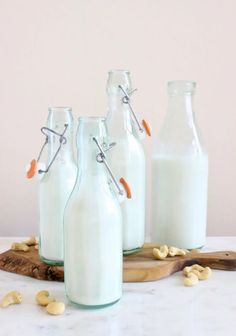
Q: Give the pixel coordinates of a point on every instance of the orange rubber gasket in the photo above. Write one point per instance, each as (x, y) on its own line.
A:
(147, 127)
(126, 187)
(33, 168)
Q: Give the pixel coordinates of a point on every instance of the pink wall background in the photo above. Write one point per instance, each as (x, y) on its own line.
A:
(58, 52)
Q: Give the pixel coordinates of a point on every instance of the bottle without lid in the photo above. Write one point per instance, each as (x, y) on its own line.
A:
(180, 174)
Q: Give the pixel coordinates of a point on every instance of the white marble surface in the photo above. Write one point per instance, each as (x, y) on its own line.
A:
(163, 307)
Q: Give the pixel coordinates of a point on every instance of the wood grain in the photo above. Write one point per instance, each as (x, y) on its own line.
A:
(29, 263)
(137, 268)
(144, 267)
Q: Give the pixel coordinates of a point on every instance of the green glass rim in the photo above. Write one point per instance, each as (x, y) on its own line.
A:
(181, 87)
(119, 70)
(59, 108)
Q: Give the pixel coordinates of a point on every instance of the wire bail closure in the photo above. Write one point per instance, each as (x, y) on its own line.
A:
(62, 141)
(101, 158)
(144, 127)
(126, 100)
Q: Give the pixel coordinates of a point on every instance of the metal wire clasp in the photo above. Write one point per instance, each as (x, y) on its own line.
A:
(126, 100)
(62, 141)
(101, 158)
(144, 127)
(33, 167)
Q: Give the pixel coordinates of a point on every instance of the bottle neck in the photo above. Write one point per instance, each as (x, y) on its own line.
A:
(60, 120)
(180, 134)
(66, 153)
(92, 178)
(119, 118)
(88, 165)
(180, 107)
(89, 128)
(180, 111)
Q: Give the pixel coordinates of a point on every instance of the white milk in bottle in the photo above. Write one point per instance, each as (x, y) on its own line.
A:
(179, 175)
(128, 158)
(56, 184)
(92, 226)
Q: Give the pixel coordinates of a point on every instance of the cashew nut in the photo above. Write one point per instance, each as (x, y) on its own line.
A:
(205, 274)
(43, 298)
(190, 272)
(197, 273)
(55, 308)
(20, 247)
(30, 241)
(189, 269)
(175, 251)
(11, 298)
(160, 253)
(191, 279)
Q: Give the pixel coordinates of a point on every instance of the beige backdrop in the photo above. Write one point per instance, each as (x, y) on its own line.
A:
(58, 52)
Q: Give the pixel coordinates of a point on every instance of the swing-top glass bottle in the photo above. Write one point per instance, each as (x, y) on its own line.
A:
(56, 183)
(128, 158)
(93, 224)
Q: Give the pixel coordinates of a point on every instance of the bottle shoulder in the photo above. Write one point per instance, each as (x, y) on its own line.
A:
(126, 138)
(92, 196)
(126, 150)
(186, 140)
(61, 173)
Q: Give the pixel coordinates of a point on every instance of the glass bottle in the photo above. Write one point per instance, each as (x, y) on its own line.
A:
(92, 225)
(128, 158)
(56, 184)
(179, 174)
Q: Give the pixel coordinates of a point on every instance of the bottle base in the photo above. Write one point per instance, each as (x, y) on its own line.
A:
(195, 248)
(83, 306)
(51, 262)
(188, 247)
(133, 251)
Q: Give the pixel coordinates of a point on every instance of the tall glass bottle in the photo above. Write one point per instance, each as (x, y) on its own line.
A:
(92, 225)
(56, 184)
(127, 159)
(179, 174)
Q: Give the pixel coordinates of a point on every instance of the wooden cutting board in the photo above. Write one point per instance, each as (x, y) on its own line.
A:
(137, 267)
